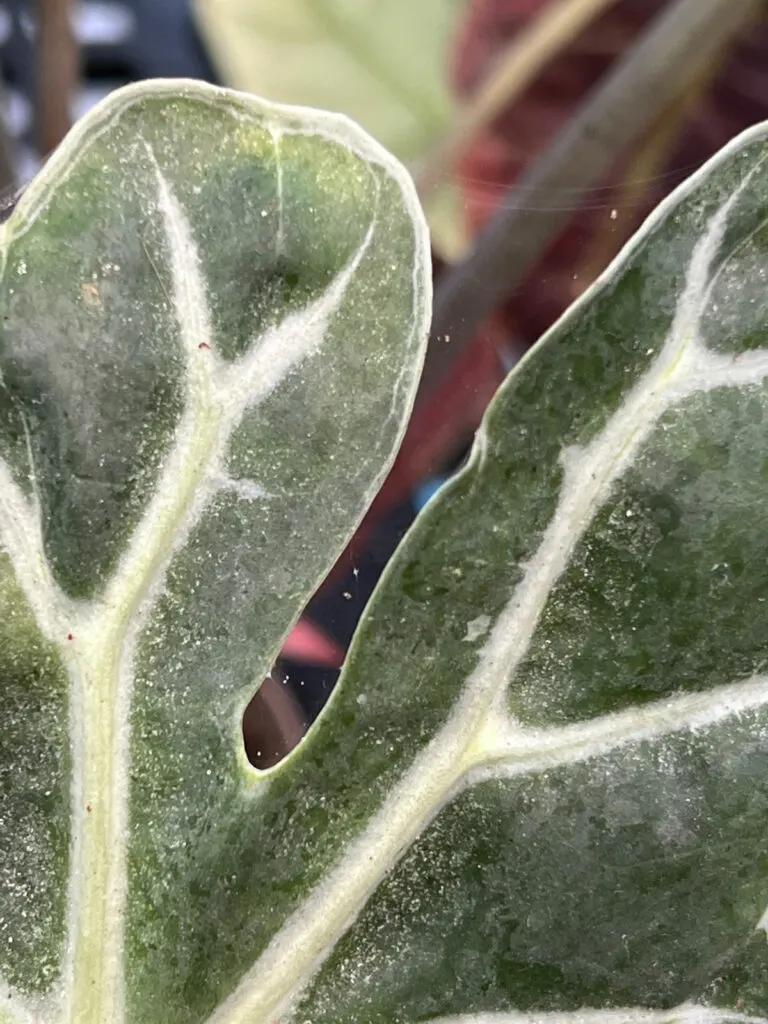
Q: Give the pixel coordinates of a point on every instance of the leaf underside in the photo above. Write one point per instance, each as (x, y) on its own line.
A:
(539, 792)
(214, 314)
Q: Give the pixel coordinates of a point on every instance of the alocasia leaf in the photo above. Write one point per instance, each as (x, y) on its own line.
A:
(214, 314)
(539, 793)
(558, 700)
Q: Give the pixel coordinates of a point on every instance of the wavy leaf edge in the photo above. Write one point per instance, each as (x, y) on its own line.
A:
(479, 740)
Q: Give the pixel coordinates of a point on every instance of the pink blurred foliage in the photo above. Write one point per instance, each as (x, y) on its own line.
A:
(736, 97)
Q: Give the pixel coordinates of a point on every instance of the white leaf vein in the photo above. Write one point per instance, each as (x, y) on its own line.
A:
(106, 629)
(687, 1013)
(479, 727)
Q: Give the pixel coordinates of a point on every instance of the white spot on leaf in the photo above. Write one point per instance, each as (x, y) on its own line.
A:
(476, 628)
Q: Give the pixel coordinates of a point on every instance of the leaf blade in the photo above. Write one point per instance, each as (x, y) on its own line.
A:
(188, 493)
(607, 393)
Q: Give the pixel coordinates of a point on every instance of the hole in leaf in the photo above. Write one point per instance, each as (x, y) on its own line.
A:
(281, 711)
(291, 697)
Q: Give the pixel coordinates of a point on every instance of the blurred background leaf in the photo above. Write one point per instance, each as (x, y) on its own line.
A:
(384, 63)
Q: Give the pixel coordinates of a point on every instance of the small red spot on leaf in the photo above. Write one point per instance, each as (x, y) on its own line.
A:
(70, 636)
(88, 808)
(205, 345)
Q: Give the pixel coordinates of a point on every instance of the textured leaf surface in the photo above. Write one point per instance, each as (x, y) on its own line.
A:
(214, 312)
(356, 57)
(557, 704)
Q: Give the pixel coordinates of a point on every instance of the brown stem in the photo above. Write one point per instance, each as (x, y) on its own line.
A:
(57, 73)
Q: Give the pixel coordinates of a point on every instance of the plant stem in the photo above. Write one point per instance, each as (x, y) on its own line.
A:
(672, 52)
(530, 50)
(57, 73)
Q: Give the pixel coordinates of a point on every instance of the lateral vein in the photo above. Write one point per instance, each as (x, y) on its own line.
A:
(270, 988)
(687, 1013)
(507, 749)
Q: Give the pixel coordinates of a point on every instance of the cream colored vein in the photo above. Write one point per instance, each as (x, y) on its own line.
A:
(269, 990)
(688, 1013)
(506, 748)
(217, 395)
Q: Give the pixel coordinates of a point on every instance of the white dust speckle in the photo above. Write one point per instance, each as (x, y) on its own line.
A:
(476, 628)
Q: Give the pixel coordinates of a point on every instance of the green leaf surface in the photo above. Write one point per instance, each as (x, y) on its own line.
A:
(214, 316)
(539, 793)
(553, 723)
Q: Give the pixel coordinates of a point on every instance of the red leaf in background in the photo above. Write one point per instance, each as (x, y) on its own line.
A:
(310, 645)
(736, 97)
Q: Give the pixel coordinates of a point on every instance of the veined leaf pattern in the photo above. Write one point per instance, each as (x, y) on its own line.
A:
(214, 316)
(558, 696)
(538, 793)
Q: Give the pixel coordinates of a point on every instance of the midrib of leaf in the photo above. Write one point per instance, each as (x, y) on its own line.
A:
(102, 690)
(217, 394)
(479, 730)
(102, 673)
